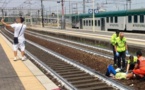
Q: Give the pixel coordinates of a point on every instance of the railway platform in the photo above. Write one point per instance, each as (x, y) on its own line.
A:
(132, 38)
(100, 38)
(20, 75)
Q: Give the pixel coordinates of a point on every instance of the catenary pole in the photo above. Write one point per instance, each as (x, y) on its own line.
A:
(57, 15)
(93, 17)
(84, 9)
(63, 19)
(42, 16)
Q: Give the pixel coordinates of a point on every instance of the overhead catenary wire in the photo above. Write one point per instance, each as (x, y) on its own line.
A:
(35, 4)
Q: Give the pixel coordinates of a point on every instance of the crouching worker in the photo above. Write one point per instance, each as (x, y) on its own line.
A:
(139, 69)
(115, 73)
(131, 63)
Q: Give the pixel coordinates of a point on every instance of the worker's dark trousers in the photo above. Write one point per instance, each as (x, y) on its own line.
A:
(114, 54)
(121, 58)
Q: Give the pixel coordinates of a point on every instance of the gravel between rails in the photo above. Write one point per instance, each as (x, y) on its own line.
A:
(97, 63)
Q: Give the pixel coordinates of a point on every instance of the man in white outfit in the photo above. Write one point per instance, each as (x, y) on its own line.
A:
(19, 39)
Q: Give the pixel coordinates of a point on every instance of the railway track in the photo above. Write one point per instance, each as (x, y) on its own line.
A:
(76, 45)
(134, 44)
(86, 47)
(73, 75)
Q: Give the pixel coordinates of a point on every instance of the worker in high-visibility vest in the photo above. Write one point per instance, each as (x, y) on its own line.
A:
(113, 42)
(131, 63)
(121, 50)
(139, 69)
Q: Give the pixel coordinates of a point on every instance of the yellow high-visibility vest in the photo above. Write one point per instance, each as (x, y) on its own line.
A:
(134, 60)
(120, 44)
(113, 39)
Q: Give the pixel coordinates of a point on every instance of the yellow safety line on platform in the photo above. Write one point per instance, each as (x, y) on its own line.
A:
(28, 80)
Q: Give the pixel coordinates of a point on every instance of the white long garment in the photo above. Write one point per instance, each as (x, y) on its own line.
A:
(17, 27)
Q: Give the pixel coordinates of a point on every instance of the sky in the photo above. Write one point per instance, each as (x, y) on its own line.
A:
(51, 5)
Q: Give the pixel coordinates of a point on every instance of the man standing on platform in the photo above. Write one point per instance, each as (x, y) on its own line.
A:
(121, 50)
(19, 39)
(113, 42)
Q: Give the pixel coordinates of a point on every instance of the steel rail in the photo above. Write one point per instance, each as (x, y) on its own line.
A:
(65, 83)
(74, 47)
(86, 45)
(82, 67)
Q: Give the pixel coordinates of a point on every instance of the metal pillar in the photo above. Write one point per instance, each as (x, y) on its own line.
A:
(69, 7)
(70, 12)
(130, 4)
(31, 21)
(93, 17)
(77, 8)
(126, 4)
(42, 13)
(84, 6)
(2, 13)
(62, 19)
(57, 15)
(38, 20)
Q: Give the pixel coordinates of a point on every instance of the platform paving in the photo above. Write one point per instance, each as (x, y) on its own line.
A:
(101, 36)
(29, 76)
(28, 80)
(9, 80)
